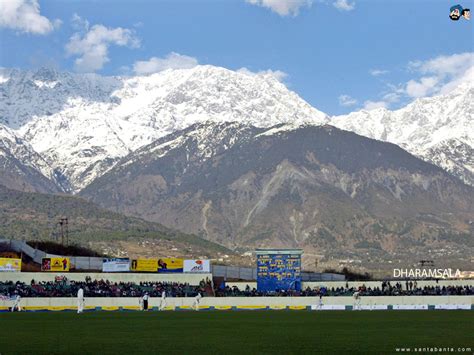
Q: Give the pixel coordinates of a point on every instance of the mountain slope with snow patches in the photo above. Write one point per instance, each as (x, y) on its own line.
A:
(82, 124)
(21, 168)
(313, 187)
(437, 129)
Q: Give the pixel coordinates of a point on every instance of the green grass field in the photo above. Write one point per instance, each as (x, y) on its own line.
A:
(244, 332)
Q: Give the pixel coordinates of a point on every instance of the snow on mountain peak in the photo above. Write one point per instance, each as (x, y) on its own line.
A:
(427, 125)
(83, 123)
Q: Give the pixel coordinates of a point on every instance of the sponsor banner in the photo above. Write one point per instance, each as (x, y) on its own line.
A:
(10, 265)
(277, 308)
(10, 254)
(55, 264)
(147, 265)
(197, 266)
(328, 307)
(373, 307)
(410, 306)
(59, 309)
(131, 308)
(453, 306)
(170, 265)
(297, 308)
(185, 308)
(223, 308)
(116, 265)
(251, 308)
(110, 308)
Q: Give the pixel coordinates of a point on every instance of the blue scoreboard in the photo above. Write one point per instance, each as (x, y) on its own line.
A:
(278, 269)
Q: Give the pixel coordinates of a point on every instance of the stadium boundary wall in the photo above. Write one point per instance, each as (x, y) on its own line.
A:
(250, 302)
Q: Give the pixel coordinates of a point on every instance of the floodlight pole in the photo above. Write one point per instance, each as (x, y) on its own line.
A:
(63, 222)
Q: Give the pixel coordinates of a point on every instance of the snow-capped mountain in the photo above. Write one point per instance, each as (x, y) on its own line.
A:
(21, 167)
(437, 129)
(82, 124)
(250, 162)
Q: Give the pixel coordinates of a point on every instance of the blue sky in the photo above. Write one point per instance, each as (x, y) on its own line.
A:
(339, 55)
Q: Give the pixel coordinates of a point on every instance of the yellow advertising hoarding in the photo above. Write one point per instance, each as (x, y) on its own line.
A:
(55, 264)
(170, 265)
(10, 264)
(148, 265)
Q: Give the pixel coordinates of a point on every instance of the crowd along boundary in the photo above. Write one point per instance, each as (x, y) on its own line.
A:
(370, 303)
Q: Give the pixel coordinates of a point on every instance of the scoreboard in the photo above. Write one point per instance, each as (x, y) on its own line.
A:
(278, 269)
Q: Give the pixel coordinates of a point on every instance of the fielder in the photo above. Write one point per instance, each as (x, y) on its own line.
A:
(163, 300)
(80, 300)
(357, 300)
(145, 301)
(320, 303)
(16, 304)
(197, 300)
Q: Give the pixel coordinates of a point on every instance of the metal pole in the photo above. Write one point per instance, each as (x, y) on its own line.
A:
(62, 231)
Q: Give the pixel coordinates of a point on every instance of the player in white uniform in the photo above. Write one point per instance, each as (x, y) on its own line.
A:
(197, 300)
(16, 304)
(163, 300)
(145, 301)
(357, 305)
(140, 302)
(80, 300)
(320, 303)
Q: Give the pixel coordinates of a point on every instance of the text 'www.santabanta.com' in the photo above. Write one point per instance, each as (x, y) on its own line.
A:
(434, 349)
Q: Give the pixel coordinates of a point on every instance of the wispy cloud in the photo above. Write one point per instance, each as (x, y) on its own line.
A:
(440, 75)
(371, 105)
(378, 72)
(346, 100)
(91, 46)
(24, 16)
(422, 87)
(344, 5)
(171, 61)
(78, 23)
(434, 76)
(282, 7)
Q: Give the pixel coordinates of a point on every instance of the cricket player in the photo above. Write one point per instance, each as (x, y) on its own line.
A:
(320, 303)
(357, 300)
(80, 300)
(145, 301)
(16, 304)
(140, 302)
(163, 300)
(197, 299)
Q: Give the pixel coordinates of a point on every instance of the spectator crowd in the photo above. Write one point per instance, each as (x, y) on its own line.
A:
(386, 289)
(62, 287)
(100, 288)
